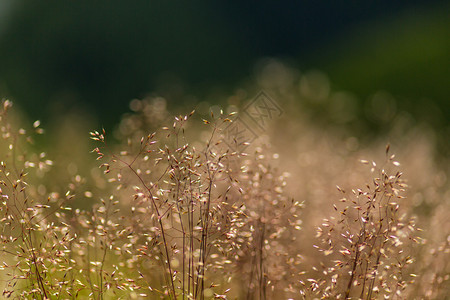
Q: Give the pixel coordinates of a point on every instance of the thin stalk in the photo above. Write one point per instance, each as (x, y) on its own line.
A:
(262, 283)
(163, 233)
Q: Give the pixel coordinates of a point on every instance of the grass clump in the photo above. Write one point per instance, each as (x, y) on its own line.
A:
(369, 244)
(182, 213)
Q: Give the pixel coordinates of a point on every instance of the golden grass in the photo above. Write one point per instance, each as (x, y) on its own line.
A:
(182, 212)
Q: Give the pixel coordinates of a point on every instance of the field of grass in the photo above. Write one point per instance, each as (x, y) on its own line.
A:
(305, 203)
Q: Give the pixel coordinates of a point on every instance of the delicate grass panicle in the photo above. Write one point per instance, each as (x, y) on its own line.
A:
(201, 209)
(34, 244)
(180, 214)
(265, 234)
(368, 243)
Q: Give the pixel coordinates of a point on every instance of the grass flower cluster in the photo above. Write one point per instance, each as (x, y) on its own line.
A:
(179, 212)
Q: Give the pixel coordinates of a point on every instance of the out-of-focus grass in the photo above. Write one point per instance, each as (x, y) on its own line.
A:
(167, 217)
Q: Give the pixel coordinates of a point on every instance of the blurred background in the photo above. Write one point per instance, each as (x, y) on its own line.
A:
(91, 58)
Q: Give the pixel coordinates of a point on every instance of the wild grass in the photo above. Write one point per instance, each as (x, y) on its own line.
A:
(182, 213)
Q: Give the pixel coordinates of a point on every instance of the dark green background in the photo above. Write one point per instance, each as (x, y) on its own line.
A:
(62, 56)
